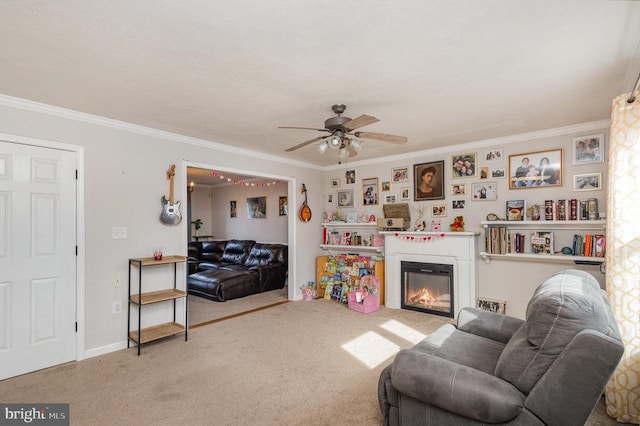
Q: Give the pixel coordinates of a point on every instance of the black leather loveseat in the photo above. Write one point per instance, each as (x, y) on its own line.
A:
(224, 270)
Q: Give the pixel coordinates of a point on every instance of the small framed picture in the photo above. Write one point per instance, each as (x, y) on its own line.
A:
(390, 199)
(428, 181)
(335, 183)
(483, 191)
(463, 165)
(458, 204)
(344, 198)
(283, 207)
(256, 208)
(459, 189)
(352, 217)
(588, 149)
(587, 182)
(400, 174)
(233, 208)
(386, 186)
(493, 155)
(492, 305)
(330, 198)
(484, 172)
(404, 193)
(350, 177)
(498, 173)
(369, 191)
(439, 210)
(535, 169)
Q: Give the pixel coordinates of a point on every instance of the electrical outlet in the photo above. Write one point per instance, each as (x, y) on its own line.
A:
(117, 281)
(117, 307)
(119, 232)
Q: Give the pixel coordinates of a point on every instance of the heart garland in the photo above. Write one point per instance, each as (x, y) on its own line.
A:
(421, 238)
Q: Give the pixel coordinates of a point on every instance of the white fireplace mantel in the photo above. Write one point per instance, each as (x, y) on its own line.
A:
(453, 248)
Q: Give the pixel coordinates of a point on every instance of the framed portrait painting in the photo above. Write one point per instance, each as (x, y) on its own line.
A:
(428, 181)
(540, 169)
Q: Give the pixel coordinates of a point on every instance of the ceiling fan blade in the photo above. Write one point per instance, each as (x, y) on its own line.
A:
(303, 128)
(360, 121)
(384, 137)
(300, 145)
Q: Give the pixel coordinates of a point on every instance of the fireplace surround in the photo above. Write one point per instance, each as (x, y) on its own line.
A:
(457, 249)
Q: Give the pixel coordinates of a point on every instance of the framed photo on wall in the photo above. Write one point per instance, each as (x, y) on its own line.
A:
(458, 204)
(588, 149)
(400, 174)
(439, 210)
(257, 208)
(493, 155)
(344, 198)
(335, 183)
(484, 191)
(540, 169)
(369, 191)
(463, 165)
(459, 189)
(390, 199)
(283, 206)
(587, 182)
(350, 177)
(404, 193)
(233, 208)
(428, 181)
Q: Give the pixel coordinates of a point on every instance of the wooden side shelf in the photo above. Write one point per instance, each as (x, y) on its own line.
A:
(158, 296)
(156, 332)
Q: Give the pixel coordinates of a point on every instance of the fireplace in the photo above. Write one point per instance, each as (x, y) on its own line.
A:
(427, 287)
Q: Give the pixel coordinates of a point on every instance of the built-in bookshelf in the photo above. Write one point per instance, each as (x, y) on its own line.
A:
(545, 240)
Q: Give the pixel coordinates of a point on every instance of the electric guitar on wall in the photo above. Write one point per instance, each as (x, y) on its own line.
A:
(170, 211)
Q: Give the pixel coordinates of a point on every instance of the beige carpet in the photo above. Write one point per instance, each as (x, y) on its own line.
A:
(300, 363)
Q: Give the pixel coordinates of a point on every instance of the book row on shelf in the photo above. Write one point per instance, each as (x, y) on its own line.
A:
(342, 274)
(501, 240)
(566, 209)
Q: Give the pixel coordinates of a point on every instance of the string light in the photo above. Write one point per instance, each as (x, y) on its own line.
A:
(243, 183)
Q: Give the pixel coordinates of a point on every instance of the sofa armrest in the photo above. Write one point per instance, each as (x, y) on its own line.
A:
(487, 324)
(456, 388)
(272, 275)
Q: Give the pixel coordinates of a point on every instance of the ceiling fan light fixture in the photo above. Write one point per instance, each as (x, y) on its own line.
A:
(322, 148)
(343, 153)
(335, 142)
(355, 144)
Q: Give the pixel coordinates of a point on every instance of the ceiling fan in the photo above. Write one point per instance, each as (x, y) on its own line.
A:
(341, 133)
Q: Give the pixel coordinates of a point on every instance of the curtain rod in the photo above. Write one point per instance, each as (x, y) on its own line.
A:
(632, 97)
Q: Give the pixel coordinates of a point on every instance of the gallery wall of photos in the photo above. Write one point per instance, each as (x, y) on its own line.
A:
(476, 182)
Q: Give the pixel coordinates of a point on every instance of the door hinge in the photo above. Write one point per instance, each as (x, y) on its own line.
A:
(76, 250)
(76, 326)
(76, 174)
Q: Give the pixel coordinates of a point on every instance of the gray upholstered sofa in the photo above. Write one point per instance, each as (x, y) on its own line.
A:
(548, 370)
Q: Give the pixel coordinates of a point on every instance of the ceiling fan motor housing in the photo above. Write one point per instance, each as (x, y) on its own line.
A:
(335, 123)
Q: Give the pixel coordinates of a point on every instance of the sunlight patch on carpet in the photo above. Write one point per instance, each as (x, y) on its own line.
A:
(399, 329)
(371, 349)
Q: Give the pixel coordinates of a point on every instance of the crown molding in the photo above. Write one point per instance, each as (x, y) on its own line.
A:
(55, 111)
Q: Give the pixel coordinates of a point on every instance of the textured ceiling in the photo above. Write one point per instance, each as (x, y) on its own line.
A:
(439, 72)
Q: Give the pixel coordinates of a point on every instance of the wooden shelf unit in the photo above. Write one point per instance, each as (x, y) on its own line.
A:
(140, 299)
(321, 264)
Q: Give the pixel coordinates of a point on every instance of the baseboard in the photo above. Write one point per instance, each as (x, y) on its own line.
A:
(102, 350)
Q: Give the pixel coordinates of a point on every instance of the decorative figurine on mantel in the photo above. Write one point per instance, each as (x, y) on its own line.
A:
(458, 224)
(420, 223)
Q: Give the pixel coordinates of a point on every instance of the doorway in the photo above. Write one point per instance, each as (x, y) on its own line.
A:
(231, 210)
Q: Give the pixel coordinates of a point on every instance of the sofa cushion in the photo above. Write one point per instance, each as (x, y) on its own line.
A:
(237, 251)
(565, 304)
(211, 251)
(264, 254)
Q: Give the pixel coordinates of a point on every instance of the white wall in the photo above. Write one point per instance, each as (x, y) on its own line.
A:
(124, 179)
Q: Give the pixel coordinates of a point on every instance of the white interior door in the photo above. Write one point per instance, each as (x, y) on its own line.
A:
(37, 258)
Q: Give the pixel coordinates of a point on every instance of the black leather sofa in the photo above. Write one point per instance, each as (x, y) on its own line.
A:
(224, 270)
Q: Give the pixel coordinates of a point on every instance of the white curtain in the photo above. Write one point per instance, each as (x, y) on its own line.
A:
(623, 255)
